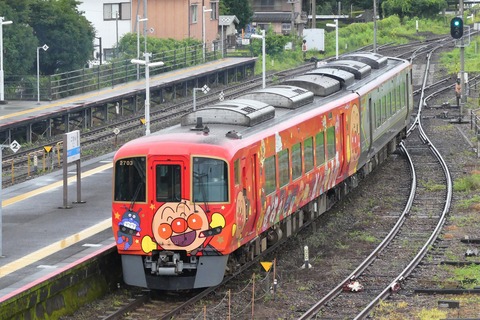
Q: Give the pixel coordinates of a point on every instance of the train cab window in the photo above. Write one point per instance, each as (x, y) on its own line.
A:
(320, 148)
(168, 183)
(283, 168)
(308, 154)
(130, 179)
(296, 161)
(331, 143)
(210, 180)
(270, 175)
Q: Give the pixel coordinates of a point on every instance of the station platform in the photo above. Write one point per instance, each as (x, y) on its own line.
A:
(38, 235)
(22, 117)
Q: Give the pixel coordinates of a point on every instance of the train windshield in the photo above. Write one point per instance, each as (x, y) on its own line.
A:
(130, 179)
(210, 180)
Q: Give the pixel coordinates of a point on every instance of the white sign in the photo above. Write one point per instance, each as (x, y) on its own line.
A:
(315, 39)
(15, 146)
(73, 146)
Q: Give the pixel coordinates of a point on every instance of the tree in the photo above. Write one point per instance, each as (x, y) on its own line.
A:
(68, 34)
(410, 8)
(239, 8)
(19, 41)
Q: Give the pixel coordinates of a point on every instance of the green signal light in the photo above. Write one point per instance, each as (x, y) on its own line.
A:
(456, 27)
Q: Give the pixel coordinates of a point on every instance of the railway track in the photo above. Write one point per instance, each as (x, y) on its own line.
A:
(417, 228)
(429, 185)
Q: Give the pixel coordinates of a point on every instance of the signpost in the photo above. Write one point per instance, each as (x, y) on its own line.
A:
(71, 153)
(14, 146)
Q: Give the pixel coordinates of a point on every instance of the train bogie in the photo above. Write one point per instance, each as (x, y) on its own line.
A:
(196, 199)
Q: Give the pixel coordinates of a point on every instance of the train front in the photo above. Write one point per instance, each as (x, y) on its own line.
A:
(169, 214)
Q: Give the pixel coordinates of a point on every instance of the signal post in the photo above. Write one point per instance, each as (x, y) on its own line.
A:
(456, 31)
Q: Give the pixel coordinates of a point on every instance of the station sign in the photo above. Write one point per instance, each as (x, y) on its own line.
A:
(73, 146)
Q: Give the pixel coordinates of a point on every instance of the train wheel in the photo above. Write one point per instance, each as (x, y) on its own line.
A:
(274, 235)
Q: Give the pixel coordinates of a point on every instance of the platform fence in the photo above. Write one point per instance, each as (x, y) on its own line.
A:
(109, 74)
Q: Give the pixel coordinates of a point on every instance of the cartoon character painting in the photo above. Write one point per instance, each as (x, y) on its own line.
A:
(128, 227)
(183, 226)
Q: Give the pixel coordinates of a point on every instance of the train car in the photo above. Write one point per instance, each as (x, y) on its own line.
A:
(199, 198)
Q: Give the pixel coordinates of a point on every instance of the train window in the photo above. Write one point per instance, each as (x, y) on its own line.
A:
(399, 98)
(390, 105)
(378, 110)
(270, 175)
(384, 109)
(130, 179)
(283, 168)
(210, 180)
(236, 169)
(320, 149)
(308, 154)
(168, 183)
(402, 95)
(331, 142)
(394, 100)
(296, 161)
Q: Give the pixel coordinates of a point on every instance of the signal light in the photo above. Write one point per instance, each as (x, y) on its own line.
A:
(456, 27)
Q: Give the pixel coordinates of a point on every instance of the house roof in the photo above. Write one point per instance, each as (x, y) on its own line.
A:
(273, 16)
(227, 20)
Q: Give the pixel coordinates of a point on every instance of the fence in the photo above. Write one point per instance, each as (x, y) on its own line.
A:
(76, 82)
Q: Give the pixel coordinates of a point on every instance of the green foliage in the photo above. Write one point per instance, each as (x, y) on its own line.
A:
(470, 183)
(128, 45)
(410, 8)
(467, 203)
(68, 34)
(19, 41)
(274, 44)
(468, 276)
(239, 8)
(451, 59)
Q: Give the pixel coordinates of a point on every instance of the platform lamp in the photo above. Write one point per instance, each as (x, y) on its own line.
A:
(45, 48)
(138, 42)
(2, 90)
(147, 65)
(336, 35)
(257, 36)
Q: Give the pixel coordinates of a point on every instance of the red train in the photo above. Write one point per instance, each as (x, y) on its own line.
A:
(196, 199)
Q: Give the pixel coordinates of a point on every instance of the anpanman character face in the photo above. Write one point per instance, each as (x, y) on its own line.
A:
(179, 226)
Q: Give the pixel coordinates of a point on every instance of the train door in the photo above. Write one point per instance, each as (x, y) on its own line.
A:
(341, 141)
(169, 180)
(250, 189)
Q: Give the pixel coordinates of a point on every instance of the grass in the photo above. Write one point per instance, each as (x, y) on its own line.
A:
(431, 186)
(467, 184)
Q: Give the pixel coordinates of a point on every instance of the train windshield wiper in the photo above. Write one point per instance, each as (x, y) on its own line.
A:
(201, 186)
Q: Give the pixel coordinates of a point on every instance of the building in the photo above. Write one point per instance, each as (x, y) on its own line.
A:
(111, 20)
(179, 19)
(228, 29)
(281, 15)
(176, 19)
